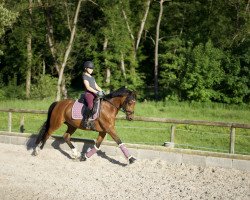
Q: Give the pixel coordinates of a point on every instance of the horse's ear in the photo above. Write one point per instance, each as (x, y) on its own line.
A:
(134, 93)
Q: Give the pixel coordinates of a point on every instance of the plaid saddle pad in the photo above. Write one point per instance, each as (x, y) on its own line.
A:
(78, 107)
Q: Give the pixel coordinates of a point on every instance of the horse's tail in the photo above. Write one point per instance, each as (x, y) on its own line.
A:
(45, 127)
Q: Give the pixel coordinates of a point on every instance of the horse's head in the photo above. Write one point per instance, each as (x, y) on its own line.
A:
(128, 105)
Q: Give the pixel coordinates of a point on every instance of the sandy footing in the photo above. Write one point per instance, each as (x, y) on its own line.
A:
(53, 175)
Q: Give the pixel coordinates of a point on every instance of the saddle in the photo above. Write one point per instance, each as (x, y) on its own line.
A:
(80, 106)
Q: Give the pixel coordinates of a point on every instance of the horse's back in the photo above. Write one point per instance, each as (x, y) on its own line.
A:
(63, 109)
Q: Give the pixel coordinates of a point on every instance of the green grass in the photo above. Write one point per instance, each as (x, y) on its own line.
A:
(187, 136)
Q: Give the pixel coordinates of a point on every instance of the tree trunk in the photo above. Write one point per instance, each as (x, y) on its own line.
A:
(63, 88)
(29, 54)
(29, 63)
(156, 87)
(136, 42)
(108, 73)
(123, 66)
(128, 26)
(44, 67)
(142, 25)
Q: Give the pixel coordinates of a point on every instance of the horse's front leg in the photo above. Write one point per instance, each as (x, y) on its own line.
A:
(92, 151)
(122, 146)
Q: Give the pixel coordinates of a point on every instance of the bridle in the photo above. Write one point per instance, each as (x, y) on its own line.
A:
(122, 108)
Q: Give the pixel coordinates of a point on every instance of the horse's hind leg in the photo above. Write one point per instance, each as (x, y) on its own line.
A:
(54, 125)
(39, 146)
(67, 136)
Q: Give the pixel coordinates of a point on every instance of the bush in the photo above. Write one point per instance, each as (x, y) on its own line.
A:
(12, 90)
(45, 87)
(2, 94)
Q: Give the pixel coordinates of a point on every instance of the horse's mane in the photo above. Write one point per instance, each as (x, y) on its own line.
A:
(118, 93)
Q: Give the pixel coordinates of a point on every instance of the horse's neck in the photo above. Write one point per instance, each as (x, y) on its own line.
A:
(117, 101)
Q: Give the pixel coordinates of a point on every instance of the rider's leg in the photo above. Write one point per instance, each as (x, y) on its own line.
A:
(89, 97)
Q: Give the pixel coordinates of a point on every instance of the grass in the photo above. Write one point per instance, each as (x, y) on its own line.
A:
(153, 133)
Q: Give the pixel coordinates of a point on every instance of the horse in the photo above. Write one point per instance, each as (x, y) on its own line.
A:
(60, 112)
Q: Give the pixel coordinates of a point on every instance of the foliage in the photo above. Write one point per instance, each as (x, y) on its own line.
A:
(45, 87)
(12, 90)
(7, 18)
(203, 73)
(203, 50)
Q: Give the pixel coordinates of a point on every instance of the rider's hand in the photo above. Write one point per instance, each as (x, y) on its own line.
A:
(100, 94)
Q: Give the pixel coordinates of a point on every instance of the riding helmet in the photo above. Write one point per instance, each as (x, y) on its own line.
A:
(88, 64)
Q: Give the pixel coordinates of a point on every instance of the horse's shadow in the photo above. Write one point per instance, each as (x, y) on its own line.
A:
(102, 154)
(56, 144)
(30, 143)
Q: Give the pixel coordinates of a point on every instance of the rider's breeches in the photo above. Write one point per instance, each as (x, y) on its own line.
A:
(89, 97)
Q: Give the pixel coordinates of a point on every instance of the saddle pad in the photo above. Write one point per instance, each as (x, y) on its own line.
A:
(77, 110)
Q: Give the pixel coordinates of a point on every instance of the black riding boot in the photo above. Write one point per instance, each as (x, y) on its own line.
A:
(86, 115)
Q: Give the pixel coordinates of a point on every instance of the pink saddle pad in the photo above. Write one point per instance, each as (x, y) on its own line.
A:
(77, 110)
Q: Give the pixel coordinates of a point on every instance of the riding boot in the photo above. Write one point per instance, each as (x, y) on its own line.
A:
(86, 115)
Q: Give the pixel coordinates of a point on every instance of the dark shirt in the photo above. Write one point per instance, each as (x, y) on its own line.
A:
(91, 81)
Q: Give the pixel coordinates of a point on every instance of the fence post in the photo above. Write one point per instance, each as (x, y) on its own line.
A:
(172, 133)
(9, 121)
(232, 140)
(22, 124)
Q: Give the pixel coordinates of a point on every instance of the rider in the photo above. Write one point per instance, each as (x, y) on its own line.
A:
(92, 90)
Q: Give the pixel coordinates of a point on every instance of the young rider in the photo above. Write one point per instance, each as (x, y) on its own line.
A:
(92, 90)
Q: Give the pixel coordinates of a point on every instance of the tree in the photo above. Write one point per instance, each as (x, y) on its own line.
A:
(203, 73)
(60, 64)
(156, 66)
(29, 53)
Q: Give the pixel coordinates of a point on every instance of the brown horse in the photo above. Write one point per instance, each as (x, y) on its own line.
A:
(60, 112)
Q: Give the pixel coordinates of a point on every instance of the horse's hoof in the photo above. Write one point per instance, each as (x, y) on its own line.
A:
(83, 158)
(131, 160)
(75, 154)
(74, 157)
(35, 152)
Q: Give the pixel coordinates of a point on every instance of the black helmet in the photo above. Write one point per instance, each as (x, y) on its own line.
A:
(88, 64)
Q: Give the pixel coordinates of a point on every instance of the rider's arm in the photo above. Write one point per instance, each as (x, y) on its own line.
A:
(97, 87)
(86, 83)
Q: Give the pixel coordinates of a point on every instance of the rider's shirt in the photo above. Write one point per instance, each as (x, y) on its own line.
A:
(91, 81)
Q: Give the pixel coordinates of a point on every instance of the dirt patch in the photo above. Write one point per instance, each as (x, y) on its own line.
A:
(52, 175)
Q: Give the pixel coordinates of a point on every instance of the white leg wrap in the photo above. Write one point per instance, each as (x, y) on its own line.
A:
(75, 153)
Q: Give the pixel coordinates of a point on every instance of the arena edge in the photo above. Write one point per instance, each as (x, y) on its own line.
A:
(172, 155)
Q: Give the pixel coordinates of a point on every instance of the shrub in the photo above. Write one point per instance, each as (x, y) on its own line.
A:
(45, 87)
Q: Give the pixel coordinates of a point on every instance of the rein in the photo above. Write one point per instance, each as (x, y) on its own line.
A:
(122, 107)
